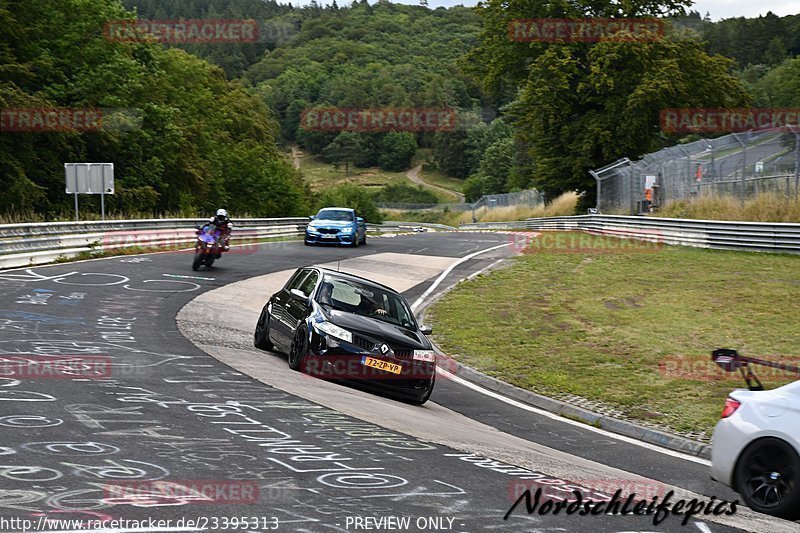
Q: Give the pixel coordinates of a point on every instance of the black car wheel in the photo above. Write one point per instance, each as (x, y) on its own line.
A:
(364, 240)
(355, 241)
(299, 350)
(768, 478)
(261, 335)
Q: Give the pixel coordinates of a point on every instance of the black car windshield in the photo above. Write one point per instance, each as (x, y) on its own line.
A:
(335, 214)
(366, 300)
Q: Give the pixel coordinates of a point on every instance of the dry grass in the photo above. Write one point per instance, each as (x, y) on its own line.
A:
(564, 205)
(766, 207)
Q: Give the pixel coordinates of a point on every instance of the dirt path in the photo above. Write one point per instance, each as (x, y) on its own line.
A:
(297, 154)
(413, 175)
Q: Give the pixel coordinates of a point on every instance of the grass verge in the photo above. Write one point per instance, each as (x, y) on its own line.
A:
(630, 327)
(440, 179)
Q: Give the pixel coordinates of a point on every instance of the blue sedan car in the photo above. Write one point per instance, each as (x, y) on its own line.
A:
(336, 225)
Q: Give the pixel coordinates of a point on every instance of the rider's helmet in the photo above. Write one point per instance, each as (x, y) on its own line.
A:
(221, 217)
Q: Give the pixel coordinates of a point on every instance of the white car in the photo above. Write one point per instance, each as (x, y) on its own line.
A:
(756, 449)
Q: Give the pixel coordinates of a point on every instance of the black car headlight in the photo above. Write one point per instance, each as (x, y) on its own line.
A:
(425, 355)
(334, 331)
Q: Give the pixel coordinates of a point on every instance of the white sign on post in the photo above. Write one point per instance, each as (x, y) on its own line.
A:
(90, 178)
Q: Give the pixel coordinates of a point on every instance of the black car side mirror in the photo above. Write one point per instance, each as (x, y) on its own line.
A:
(425, 330)
(300, 295)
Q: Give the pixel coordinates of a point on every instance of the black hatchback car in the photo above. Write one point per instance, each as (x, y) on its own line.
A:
(339, 326)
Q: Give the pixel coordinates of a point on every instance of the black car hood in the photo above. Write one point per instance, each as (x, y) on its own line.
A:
(375, 328)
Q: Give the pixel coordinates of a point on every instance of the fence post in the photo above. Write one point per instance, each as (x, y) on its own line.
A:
(597, 196)
(796, 162)
(744, 166)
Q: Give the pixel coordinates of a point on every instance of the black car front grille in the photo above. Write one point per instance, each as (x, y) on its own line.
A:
(361, 342)
(403, 353)
(329, 231)
(400, 353)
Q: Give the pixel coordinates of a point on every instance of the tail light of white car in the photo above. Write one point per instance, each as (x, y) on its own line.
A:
(731, 406)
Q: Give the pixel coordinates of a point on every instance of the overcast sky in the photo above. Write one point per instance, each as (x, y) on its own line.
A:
(718, 9)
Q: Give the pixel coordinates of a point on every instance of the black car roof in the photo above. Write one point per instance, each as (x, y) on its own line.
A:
(345, 275)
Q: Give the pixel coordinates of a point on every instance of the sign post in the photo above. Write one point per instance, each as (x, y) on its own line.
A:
(90, 178)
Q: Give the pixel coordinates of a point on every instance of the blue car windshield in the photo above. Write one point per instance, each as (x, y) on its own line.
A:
(335, 214)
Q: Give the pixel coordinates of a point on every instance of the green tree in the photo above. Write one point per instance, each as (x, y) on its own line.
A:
(396, 150)
(582, 105)
(200, 140)
(353, 197)
(780, 86)
(406, 194)
(345, 148)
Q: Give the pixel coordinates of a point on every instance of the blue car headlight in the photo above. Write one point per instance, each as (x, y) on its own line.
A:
(348, 229)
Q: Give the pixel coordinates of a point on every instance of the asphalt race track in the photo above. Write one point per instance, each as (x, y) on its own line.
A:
(206, 433)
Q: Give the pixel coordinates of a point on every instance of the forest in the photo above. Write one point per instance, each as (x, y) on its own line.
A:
(214, 120)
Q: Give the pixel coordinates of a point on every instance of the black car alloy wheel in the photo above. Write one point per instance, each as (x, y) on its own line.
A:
(261, 335)
(299, 350)
(768, 478)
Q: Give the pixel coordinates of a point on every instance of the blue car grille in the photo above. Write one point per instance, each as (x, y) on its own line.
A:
(328, 230)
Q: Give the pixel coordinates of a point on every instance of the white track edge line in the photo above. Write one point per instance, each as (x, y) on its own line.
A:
(588, 427)
(447, 271)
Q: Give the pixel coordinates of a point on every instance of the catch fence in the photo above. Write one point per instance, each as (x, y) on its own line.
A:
(739, 164)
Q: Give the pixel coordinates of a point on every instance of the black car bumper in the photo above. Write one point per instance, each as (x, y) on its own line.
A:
(333, 360)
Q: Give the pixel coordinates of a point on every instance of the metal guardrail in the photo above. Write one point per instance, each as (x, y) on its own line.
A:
(724, 235)
(34, 244)
(39, 243)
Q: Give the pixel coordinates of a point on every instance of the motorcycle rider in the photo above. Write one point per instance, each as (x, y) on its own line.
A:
(224, 224)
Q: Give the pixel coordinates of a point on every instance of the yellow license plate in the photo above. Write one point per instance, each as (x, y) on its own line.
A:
(381, 365)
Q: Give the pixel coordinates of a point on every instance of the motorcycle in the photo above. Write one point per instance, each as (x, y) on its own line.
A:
(207, 247)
